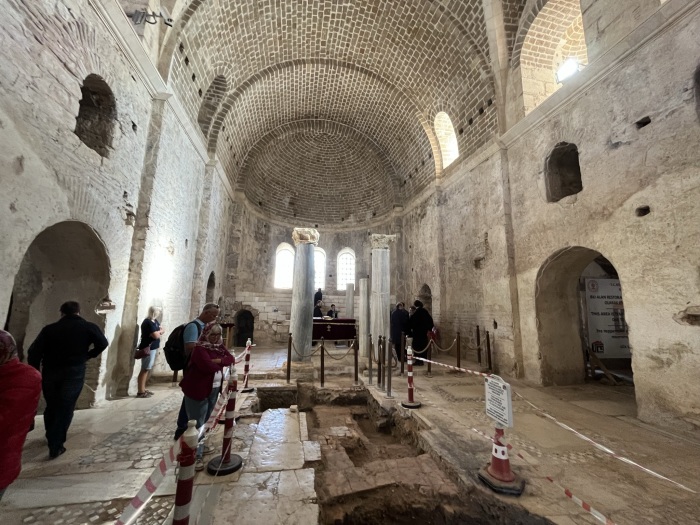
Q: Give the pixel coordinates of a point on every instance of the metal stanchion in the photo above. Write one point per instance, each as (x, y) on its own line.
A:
(185, 475)
(478, 345)
(380, 364)
(410, 403)
(371, 351)
(488, 350)
(459, 350)
(323, 361)
(388, 368)
(356, 348)
(227, 463)
(246, 368)
(289, 359)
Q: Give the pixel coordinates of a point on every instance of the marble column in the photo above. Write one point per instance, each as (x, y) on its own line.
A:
(380, 310)
(350, 300)
(363, 320)
(301, 318)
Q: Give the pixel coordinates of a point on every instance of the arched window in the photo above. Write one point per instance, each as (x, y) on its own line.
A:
(94, 124)
(210, 103)
(319, 268)
(284, 266)
(445, 133)
(346, 268)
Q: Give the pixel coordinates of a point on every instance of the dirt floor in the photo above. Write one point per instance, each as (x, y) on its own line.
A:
(369, 476)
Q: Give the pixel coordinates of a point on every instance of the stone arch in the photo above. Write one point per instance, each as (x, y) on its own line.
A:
(211, 285)
(559, 310)
(551, 32)
(66, 261)
(211, 103)
(244, 327)
(97, 114)
(562, 172)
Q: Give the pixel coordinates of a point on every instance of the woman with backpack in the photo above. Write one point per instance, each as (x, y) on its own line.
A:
(202, 380)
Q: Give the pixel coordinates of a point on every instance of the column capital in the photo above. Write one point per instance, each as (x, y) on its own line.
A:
(305, 236)
(381, 240)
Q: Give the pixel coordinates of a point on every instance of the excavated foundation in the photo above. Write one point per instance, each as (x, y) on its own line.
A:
(373, 471)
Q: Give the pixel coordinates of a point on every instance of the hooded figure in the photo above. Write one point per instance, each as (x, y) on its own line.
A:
(20, 389)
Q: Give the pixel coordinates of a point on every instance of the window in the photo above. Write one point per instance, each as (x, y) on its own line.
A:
(284, 266)
(562, 172)
(445, 133)
(97, 113)
(346, 268)
(319, 268)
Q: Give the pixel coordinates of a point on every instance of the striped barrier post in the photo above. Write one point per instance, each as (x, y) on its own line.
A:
(246, 368)
(185, 477)
(227, 463)
(410, 403)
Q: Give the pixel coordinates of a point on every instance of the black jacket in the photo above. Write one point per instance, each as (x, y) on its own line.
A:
(67, 342)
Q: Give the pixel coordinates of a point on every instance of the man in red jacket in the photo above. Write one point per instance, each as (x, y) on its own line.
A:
(20, 388)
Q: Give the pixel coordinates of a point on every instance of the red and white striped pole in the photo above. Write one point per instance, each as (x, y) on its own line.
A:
(185, 476)
(410, 403)
(246, 368)
(227, 463)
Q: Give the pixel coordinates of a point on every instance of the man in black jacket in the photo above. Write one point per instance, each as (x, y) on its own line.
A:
(399, 326)
(60, 352)
(421, 323)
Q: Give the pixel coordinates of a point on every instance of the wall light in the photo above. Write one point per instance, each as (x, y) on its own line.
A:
(569, 67)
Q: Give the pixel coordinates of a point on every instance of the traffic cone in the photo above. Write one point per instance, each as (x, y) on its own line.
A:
(497, 474)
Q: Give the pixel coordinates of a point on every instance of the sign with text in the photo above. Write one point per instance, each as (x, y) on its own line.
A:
(499, 405)
(607, 330)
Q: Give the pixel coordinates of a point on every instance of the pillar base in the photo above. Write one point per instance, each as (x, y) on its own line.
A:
(511, 488)
(215, 467)
(411, 404)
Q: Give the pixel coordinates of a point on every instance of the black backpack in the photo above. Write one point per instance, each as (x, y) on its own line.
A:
(174, 348)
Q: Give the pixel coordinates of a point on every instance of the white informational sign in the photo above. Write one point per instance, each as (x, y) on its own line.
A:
(607, 330)
(499, 405)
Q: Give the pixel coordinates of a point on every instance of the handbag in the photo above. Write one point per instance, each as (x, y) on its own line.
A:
(142, 352)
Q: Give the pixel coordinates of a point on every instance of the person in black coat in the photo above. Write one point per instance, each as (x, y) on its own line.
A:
(318, 296)
(317, 309)
(420, 323)
(399, 325)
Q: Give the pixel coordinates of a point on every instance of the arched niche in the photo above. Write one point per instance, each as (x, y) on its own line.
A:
(65, 262)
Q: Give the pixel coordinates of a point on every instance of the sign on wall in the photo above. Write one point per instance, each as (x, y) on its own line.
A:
(607, 330)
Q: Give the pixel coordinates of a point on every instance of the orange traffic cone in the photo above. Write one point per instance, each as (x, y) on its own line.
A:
(497, 474)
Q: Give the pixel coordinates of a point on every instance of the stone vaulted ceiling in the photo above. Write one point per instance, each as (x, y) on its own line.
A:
(322, 111)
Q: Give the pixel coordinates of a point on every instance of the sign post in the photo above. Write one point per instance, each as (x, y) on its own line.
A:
(499, 407)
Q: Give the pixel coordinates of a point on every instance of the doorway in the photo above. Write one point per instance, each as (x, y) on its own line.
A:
(581, 324)
(65, 262)
(244, 327)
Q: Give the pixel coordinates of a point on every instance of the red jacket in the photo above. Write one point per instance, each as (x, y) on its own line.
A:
(199, 376)
(20, 389)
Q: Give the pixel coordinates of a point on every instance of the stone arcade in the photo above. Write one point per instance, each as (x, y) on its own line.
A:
(154, 164)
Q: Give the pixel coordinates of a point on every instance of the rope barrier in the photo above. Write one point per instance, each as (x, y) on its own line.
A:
(445, 350)
(341, 357)
(315, 350)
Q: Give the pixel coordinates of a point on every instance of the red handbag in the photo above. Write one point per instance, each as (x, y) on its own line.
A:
(142, 352)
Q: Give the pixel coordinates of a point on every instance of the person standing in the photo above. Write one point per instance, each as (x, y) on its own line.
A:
(318, 296)
(60, 352)
(20, 390)
(420, 323)
(151, 332)
(194, 328)
(202, 382)
(398, 327)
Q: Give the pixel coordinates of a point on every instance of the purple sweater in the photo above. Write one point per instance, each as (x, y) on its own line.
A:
(199, 375)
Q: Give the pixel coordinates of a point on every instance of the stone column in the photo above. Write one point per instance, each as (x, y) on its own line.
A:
(363, 320)
(350, 300)
(301, 318)
(381, 281)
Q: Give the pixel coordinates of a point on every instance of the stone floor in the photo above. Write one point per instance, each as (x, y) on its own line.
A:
(112, 450)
